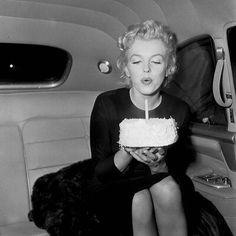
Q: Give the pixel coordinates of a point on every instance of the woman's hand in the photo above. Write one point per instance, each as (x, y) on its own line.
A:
(149, 156)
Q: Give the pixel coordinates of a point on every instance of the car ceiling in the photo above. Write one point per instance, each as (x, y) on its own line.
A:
(88, 29)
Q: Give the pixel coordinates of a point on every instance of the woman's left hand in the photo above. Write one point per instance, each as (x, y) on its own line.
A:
(148, 156)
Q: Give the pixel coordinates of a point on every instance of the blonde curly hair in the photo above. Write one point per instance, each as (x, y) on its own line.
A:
(147, 30)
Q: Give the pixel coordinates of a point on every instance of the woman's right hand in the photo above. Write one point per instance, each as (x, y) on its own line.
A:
(148, 156)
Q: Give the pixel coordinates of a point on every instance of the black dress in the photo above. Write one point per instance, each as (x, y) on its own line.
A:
(111, 191)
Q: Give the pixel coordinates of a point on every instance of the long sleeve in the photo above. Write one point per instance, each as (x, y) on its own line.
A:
(180, 155)
(100, 141)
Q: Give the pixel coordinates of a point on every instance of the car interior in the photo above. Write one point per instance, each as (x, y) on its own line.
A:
(57, 56)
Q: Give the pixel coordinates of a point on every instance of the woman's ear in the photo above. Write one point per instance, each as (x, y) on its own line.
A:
(168, 71)
(126, 72)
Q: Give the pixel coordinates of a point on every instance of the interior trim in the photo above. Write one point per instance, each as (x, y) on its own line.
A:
(213, 131)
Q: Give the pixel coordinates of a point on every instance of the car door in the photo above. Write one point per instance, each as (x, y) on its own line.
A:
(202, 81)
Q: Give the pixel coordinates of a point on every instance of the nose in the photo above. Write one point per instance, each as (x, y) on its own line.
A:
(146, 67)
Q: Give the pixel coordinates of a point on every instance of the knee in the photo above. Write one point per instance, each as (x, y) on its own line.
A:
(166, 193)
(142, 208)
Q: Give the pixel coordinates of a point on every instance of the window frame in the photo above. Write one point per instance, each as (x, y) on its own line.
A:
(39, 85)
(231, 111)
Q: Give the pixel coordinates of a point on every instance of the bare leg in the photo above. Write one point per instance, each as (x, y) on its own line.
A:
(143, 215)
(170, 217)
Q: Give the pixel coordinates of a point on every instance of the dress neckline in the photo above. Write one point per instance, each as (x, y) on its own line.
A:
(140, 109)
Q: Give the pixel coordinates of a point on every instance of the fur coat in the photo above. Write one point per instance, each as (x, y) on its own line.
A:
(59, 202)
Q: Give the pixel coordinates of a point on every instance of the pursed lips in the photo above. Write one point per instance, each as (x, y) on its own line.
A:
(146, 80)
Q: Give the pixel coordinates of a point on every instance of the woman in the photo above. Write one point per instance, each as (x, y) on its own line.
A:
(142, 191)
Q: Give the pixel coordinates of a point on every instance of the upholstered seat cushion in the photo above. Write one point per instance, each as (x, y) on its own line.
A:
(22, 229)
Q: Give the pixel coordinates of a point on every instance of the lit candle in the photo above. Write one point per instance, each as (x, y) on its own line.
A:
(146, 110)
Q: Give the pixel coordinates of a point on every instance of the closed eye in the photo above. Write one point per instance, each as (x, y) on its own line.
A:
(136, 62)
(156, 62)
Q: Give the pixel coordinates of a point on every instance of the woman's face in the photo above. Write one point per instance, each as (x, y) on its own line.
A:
(146, 66)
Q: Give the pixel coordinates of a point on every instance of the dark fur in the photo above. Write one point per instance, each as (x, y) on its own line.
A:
(59, 201)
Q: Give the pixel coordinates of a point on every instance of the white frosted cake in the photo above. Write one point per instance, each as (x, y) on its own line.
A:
(152, 132)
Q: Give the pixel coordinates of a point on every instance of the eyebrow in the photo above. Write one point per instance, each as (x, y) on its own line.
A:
(138, 55)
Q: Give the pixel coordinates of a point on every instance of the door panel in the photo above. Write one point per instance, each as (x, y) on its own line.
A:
(215, 156)
(214, 170)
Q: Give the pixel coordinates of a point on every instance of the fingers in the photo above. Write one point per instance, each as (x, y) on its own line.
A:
(157, 153)
(129, 149)
(140, 157)
(159, 150)
(148, 155)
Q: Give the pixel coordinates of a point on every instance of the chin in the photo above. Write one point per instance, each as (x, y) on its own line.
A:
(150, 92)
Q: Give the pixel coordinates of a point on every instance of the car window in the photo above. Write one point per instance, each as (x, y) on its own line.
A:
(193, 81)
(231, 37)
(32, 66)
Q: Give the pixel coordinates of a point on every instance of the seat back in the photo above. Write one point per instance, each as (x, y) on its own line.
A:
(39, 133)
